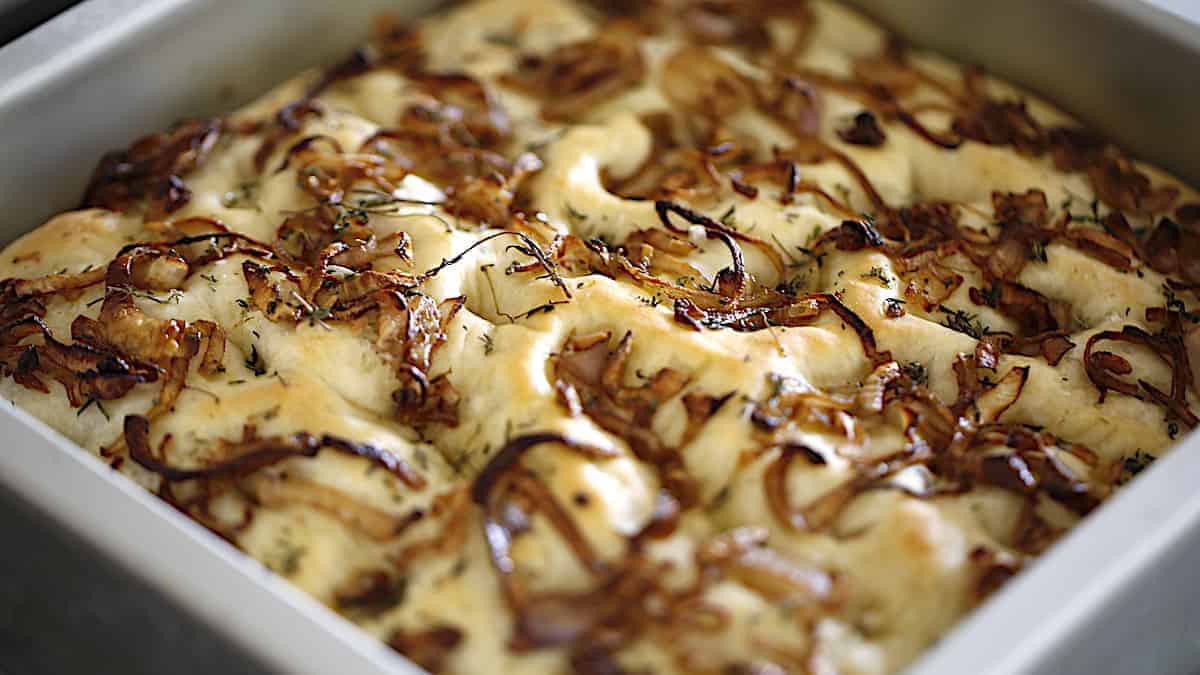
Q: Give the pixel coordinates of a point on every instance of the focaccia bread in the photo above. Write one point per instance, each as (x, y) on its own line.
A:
(666, 337)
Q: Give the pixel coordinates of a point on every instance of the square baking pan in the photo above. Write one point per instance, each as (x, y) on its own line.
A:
(1117, 595)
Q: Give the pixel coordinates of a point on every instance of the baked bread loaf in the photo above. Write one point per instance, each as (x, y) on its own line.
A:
(680, 336)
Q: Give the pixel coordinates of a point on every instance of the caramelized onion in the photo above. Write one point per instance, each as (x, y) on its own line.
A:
(991, 404)
(863, 130)
(508, 456)
(369, 520)
(742, 555)
(817, 514)
(1171, 249)
(429, 648)
(465, 99)
(579, 76)
(253, 453)
(1103, 247)
(152, 168)
(10, 289)
(1105, 368)
(592, 375)
(85, 372)
(1052, 346)
(695, 79)
(1119, 184)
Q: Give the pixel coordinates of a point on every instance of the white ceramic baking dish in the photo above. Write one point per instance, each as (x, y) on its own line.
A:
(1115, 596)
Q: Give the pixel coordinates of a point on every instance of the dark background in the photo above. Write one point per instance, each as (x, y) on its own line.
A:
(23, 18)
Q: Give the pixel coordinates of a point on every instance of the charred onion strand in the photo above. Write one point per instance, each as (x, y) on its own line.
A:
(250, 455)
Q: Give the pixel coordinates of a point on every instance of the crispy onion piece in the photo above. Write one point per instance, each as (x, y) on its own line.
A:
(398, 43)
(353, 296)
(1015, 458)
(1029, 466)
(1023, 220)
(994, 568)
(328, 176)
(793, 102)
(1103, 247)
(802, 311)
(595, 257)
(85, 372)
(863, 130)
(590, 379)
(700, 408)
(878, 84)
(932, 283)
(722, 22)
(1027, 208)
(305, 237)
(1052, 346)
(695, 79)
(243, 458)
(510, 496)
(453, 508)
(430, 648)
(854, 235)
(1104, 369)
(796, 402)
(1001, 123)
(1119, 184)
(577, 77)
(204, 249)
(673, 172)
(369, 592)
(1188, 215)
(742, 555)
(587, 622)
(715, 230)
(375, 523)
(433, 153)
(642, 246)
(152, 168)
(289, 118)
(993, 122)
(1034, 313)
(314, 182)
(991, 404)
(212, 340)
(287, 122)
(409, 326)
(489, 198)
(122, 326)
(274, 291)
(515, 449)
(13, 289)
(1172, 249)
(528, 247)
(887, 71)
(931, 221)
(820, 513)
(1075, 149)
(467, 101)
(963, 445)
(410, 330)
(812, 150)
